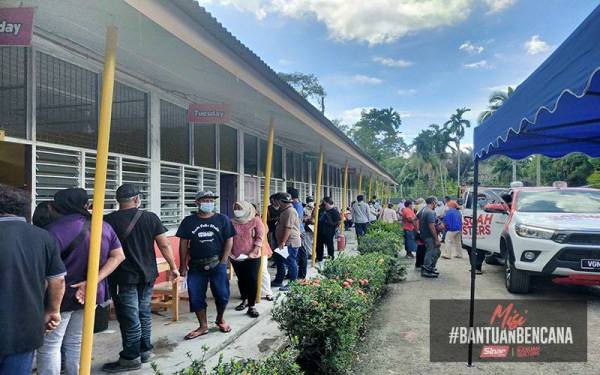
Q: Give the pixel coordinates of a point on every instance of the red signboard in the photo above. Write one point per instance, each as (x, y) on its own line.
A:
(16, 26)
(209, 113)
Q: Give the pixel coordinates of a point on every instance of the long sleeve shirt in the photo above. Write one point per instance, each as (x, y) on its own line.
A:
(248, 239)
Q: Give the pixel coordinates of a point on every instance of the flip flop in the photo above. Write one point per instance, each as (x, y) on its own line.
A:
(241, 307)
(195, 333)
(223, 326)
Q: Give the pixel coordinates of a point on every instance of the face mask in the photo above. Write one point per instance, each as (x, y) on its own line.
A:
(207, 207)
(238, 213)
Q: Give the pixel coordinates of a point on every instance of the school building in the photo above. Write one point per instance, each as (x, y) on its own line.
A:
(172, 55)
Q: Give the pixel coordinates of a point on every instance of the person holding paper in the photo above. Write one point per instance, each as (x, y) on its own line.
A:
(287, 234)
(245, 253)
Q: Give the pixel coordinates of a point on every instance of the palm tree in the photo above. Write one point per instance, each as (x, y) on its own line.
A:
(456, 127)
(496, 100)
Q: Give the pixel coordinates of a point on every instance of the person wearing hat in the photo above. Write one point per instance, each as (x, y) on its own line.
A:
(131, 283)
(287, 233)
(207, 237)
(72, 234)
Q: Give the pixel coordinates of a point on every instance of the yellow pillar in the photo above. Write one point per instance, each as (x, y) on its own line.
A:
(360, 182)
(265, 207)
(316, 210)
(344, 197)
(370, 187)
(108, 81)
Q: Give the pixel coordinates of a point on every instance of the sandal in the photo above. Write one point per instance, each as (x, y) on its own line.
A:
(269, 298)
(252, 312)
(223, 326)
(196, 333)
(241, 306)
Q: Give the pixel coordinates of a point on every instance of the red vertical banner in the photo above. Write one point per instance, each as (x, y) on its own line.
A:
(16, 26)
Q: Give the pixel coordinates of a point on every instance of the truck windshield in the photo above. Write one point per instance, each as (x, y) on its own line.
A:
(562, 201)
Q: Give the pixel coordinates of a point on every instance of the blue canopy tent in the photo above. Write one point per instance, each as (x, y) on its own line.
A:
(556, 111)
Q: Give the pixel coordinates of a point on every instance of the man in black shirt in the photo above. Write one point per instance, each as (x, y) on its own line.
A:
(207, 237)
(131, 283)
(30, 260)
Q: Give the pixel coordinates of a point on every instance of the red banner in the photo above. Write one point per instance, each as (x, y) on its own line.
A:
(209, 113)
(16, 26)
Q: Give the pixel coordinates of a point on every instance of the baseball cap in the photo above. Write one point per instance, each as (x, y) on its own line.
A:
(127, 191)
(206, 194)
(284, 197)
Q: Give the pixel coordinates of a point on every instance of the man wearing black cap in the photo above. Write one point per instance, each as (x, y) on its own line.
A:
(131, 283)
(287, 233)
(207, 237)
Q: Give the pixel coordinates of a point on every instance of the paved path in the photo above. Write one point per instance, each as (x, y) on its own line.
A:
(398, 338)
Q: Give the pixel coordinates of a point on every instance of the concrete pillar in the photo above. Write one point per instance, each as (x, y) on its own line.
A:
(154, 196)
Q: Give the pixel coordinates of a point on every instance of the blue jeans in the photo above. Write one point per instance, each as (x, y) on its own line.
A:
(290, 263)
(198, 281)
(132, 305)
(361, 229)
(16, 363)
(410, 243)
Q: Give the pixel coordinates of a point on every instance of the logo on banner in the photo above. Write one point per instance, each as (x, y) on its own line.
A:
(16, 26)
(209, 113)
(517, 330)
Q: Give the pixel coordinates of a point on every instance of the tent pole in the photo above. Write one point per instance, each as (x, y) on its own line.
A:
(89, 311)
(265, 207)
(514, 170)
(473, 255)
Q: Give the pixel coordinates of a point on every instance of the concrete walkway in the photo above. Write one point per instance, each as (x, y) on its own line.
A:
(249, 338)
(397, 340)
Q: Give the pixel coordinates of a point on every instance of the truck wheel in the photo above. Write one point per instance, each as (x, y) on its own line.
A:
(516, 281)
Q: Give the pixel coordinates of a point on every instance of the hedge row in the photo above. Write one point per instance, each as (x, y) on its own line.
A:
(325, 316)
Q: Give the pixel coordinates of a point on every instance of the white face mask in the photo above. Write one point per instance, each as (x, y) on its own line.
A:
(238, 213)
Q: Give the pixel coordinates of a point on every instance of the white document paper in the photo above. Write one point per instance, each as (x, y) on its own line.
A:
(242, 257)
(283, 252)
(311, 227)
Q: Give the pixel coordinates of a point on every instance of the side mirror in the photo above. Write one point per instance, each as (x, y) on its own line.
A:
(496, 208)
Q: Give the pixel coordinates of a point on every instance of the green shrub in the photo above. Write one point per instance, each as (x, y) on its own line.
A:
(372, 267)
(380, 241)
(386, 227)
(324, 317)
(283, 363)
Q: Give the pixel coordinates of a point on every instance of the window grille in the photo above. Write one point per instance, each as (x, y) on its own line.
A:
(171, 195)
(129, 123)
(55, 170)
(137, 172)
(174, 133)
(66, 103)
(193, 184)
(13, 91)
(112, 182)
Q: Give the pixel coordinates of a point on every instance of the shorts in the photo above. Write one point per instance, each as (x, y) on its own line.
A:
(198, 281)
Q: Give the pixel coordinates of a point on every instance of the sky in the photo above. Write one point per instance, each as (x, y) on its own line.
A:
(424, 58)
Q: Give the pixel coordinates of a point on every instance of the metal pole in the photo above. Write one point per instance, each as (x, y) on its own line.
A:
(316, 210)
(458, 170)
(514, 170)
(538, 170)
(265, 207)
(344, 198)
(108, 81)
(473, 255)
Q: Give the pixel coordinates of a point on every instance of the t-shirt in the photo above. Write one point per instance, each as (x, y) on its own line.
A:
(65, 230)
(207, 235)
(329, 219)
(453, 220)
(426, 217)
(29, 257)
(139, 265)
(360, 212)
(407, 214)
(288, 218)
(272, 217)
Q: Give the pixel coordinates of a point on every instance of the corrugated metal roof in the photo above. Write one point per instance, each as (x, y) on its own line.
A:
(219, 32)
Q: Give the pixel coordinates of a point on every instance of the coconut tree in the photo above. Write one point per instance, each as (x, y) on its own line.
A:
(496, 100)
(456, 128)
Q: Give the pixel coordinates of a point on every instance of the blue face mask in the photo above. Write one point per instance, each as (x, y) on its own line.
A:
(207, 207)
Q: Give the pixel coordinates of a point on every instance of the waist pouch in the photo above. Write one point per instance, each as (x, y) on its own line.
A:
(204, 264)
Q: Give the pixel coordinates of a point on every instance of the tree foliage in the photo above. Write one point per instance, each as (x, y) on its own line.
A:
(307, 85)
(378, 133)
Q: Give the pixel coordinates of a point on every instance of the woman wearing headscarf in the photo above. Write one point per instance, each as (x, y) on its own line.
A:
(246, 252)
(72, 233)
